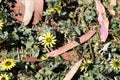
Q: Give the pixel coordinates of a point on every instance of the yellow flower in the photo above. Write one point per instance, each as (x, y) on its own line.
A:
(51, 11)
(48, 40)
(115, 64)
(1, 24)
(85, 64)
(7, 64)
(4, 77)
(58, 9)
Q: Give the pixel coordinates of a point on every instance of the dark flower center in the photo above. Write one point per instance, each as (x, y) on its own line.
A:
(86, 64)
(116, 63)
(48, 40)
(3, 78)
(8, 63)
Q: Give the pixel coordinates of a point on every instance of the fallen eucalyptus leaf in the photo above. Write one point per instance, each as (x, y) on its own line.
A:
(72, 72)
(103, 20)
(72, 44)
(38, 10)
(31, 59)
(29, 9)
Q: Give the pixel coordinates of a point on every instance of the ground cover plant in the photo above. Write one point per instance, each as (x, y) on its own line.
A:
(59, 40)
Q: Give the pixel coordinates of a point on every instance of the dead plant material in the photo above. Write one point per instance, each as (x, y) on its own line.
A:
(70, 56)
(31, 59)
(73, 70)
(19, 10)
(72, 44)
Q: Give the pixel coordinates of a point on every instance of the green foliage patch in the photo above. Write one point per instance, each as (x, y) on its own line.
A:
(66, 20)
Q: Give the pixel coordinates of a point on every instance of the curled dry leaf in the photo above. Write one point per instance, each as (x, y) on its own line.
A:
(72, 72)
(25, 10)
(38, 10)
(72, 44)
(29, 8)
(103, 20)
(19, 10)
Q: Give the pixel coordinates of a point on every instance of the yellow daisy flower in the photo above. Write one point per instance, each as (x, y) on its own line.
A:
(115, 64)
(51, 11)
(7, 64)
(85, 64)
(4, 77)
(58, 9)
(48, 40)
(1, 24)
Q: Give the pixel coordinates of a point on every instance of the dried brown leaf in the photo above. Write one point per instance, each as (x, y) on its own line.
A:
(38, 10)
(103, 20)
(29, 8)
(70, 56)
(31, 59)
(72, 44)
(72, 72)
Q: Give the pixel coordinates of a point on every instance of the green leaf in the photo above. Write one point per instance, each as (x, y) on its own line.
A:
(89, 78)
(77, 30)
